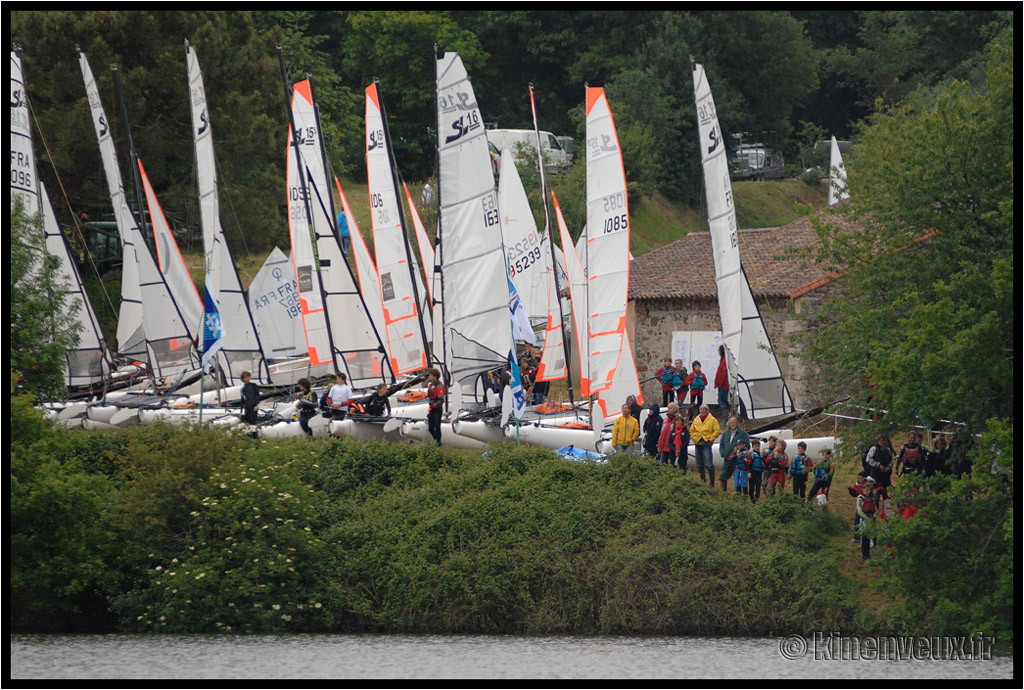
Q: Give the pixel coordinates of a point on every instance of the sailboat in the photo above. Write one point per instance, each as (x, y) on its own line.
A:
(475, 334)
(755, 379)
(837, 189)
(239, 348)
(400, 287)
(90, 363)
(151, 327)
(339, 331)
(598, 276)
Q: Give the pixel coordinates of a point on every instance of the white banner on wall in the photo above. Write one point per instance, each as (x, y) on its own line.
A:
(700, 346)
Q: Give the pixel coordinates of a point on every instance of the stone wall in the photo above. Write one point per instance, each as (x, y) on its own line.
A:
(654, 320)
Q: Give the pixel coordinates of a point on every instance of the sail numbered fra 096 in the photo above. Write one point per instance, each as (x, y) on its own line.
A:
(754, 371)
(472, 258)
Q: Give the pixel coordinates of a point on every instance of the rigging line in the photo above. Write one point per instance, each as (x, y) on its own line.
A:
(67, 201)
(231, 203)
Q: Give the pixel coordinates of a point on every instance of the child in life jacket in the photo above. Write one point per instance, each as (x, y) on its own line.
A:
(912, 455)
(696, 382)
(855, 492)
(798, 470)
(867, 506)
(756, 471)
(665, 376)
(822, 475)
(742, 461)
(778, 464)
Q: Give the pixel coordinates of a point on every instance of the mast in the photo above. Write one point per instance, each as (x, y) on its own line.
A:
(133, 155)
(551, 245)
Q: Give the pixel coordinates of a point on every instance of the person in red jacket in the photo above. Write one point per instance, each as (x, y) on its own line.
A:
(436, 392)
(722, 381)
(778, 464)
(696, 382)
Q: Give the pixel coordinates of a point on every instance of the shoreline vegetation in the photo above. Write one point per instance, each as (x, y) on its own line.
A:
(198, 530)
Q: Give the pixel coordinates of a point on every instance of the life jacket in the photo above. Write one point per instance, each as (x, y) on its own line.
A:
(551, 407)
(744, 461)
(699, 382)
(821, 471)
(665, 376)
(867, 504)
(756, 463)
(798, 466)
(413, 396)
(912, 457)
(573, 425)
(436, 393)
(778, 462)
(357, 408)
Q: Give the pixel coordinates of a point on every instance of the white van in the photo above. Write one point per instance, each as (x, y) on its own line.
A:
(522, 141)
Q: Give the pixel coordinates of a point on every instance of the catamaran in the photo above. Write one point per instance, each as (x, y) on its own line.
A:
(756, 384)
(89, 366)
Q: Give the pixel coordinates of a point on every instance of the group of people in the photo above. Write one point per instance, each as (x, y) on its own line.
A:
(336, 404)
(748, 466)
(881, 462)
(678, 385)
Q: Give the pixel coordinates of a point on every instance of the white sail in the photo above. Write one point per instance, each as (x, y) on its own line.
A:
(577, 283)
(89, 362)
(274, 303)
(607, 246)
(754, 372)
(171, 263)
(150, 327)
(526, 266)
(337, 324)
(837, 190)
(24, 183)
(476, 333)
(240, 347)
(366, 270)
(404, 333)
(425, 264)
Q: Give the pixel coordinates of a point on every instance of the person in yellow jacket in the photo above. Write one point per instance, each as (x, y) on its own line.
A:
(625, 431)
(703, 431)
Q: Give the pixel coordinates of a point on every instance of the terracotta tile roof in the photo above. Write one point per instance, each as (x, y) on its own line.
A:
(685, 269)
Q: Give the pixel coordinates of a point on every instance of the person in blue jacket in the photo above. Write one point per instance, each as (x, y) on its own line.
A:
(346, 239)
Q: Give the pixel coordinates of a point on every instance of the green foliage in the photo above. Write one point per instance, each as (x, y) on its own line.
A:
(954, 559)
(166, 529)
(41, 325)
(925, 327)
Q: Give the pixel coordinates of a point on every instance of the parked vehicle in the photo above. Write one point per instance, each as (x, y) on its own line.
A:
(755, 162)
(524, 141)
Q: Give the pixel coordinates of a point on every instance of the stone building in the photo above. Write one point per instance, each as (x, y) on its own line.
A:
(672, 293)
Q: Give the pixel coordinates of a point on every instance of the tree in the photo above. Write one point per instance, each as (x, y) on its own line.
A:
(42, 326)
(925, 328)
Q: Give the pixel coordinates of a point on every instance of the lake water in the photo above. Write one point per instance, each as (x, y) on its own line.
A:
(472, 656)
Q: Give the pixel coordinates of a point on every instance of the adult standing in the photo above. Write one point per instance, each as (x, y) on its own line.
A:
(878, 464)
(722, 381)
(343, 234)
(652, 431)
(427, 196)
(731, 437)
(250, 398)
(625, 431)
(703, 431)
